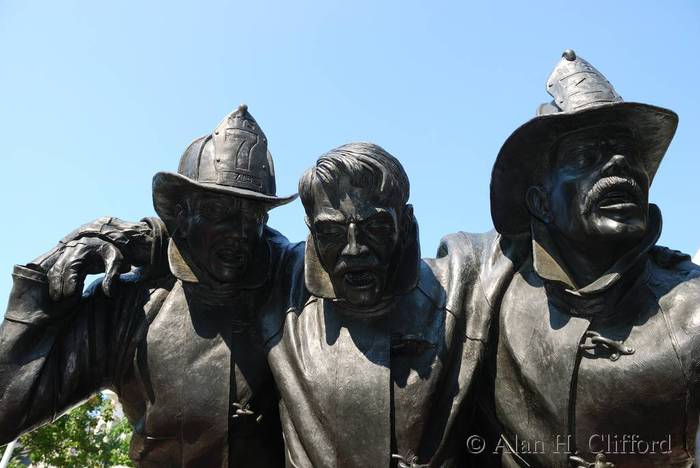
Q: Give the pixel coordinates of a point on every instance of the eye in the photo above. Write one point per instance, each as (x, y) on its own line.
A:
(585, 158)
(380, 230)
(379, 227)
(330, 230)
(213, 210)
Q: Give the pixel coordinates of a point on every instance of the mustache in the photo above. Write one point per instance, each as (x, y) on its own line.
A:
(235, 246)
(352, 264)
(606, 185)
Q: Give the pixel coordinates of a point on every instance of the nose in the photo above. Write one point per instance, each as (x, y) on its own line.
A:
(616, 164)
(234, 229)
(354, 247)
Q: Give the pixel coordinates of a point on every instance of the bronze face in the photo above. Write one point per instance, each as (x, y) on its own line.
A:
(597, 189)
(356, 239)
(221, 233)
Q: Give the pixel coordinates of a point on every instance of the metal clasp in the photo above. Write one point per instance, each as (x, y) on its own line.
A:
(600, 462)
(617, 347)
(403, 463)
(244, 410)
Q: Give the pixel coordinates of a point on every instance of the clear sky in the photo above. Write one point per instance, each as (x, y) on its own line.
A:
(96, 97)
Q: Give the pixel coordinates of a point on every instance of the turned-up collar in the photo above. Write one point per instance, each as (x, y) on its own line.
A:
(202, 284)
(403, 280)
(549, 265)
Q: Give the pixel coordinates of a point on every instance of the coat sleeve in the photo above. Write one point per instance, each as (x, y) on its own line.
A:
(53, 355)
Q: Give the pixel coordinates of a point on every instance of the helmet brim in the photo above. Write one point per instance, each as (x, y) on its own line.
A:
(526, 150)
(169, 189)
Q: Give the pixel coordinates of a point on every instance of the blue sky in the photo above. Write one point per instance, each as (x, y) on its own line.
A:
(98, 96)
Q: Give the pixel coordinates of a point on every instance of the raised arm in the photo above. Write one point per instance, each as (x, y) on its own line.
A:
(57, 346)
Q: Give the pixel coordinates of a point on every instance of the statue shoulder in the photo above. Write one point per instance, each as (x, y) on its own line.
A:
(287, 256)
(675, 280)
(431, 284)
(483, 254)
(274, 237)
(671, 259)
(288, 290)
(484, 245)
(466, 243)
(671, 268)
(476, 268)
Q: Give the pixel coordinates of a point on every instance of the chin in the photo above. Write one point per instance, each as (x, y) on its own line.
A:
(621, 230)
(228, 275)
(362, 298)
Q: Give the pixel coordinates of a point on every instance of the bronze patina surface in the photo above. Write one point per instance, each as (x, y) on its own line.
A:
(566, 337)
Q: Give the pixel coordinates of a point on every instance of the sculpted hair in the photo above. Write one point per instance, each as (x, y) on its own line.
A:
(366, 165)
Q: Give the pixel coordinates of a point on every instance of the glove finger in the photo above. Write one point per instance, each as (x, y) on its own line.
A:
(113, 261)
(75, 267)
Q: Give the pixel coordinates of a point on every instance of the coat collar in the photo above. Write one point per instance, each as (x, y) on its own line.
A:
(549, 265)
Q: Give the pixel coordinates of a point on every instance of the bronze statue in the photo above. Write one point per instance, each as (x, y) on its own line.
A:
(567, 329)
(597, 347)
(182, 349)
(374, 368)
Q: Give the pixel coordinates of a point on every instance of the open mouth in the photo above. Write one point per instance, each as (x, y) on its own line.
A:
(360, 279)
(617, 200)
(231, 256)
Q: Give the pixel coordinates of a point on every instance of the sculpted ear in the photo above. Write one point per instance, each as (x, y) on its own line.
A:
(538, 203)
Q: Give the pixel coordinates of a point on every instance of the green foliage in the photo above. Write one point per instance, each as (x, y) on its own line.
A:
(87, 436)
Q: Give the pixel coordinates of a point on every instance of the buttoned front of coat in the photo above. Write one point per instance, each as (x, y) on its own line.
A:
(394, 388)
(612, 373)
(357, 390)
